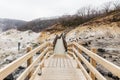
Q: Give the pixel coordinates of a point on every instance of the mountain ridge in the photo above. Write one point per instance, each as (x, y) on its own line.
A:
(6, 24)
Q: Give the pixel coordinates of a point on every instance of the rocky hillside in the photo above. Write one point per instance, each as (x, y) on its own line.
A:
(107, 26)
(36, 25)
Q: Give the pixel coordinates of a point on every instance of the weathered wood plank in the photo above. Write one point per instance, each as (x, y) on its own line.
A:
(61, 73)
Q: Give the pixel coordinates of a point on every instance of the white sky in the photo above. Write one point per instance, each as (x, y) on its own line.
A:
(32, 9)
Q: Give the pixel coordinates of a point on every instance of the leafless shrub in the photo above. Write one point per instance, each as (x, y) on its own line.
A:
(107, 7)
(116, 5)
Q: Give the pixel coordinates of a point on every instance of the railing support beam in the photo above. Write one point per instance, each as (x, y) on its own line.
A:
(29, 61)
(93, 63)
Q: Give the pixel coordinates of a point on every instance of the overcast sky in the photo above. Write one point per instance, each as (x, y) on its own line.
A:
(32, 9)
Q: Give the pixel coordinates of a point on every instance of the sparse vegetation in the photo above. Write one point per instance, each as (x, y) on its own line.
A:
(34, 45)
(7, 33)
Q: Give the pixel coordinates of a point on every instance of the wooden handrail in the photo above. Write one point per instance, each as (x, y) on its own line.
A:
(81, 66)
(49, 44)
(108, 65)
(30, 68)
(39, 66)
(74, 49)
(4, 72)
(95, 72)
(92, 69)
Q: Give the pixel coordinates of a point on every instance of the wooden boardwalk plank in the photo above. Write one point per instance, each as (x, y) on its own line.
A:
(55, 62)
(62, 63)
(60, 68)
(61, 74)
(58, 62)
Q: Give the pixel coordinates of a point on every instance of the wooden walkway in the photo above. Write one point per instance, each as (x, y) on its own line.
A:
(60, 67)
(57, 64)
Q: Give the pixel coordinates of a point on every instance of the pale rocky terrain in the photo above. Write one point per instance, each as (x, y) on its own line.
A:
(9, 44)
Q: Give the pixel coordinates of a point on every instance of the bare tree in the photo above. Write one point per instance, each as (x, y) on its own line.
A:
(116, 5)
(107, 7)
(82, 11)
(88, 11)
(94, 13)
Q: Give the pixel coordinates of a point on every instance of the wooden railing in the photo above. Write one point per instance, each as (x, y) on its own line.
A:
(46, 49)
(30, 71)
(75, 50)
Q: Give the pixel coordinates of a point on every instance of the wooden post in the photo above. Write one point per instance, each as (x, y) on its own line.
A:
(75, 56)
(73, 51)
(93, 63)
(47, 55)
(78, 57)
(80, 51)
(29, 61)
